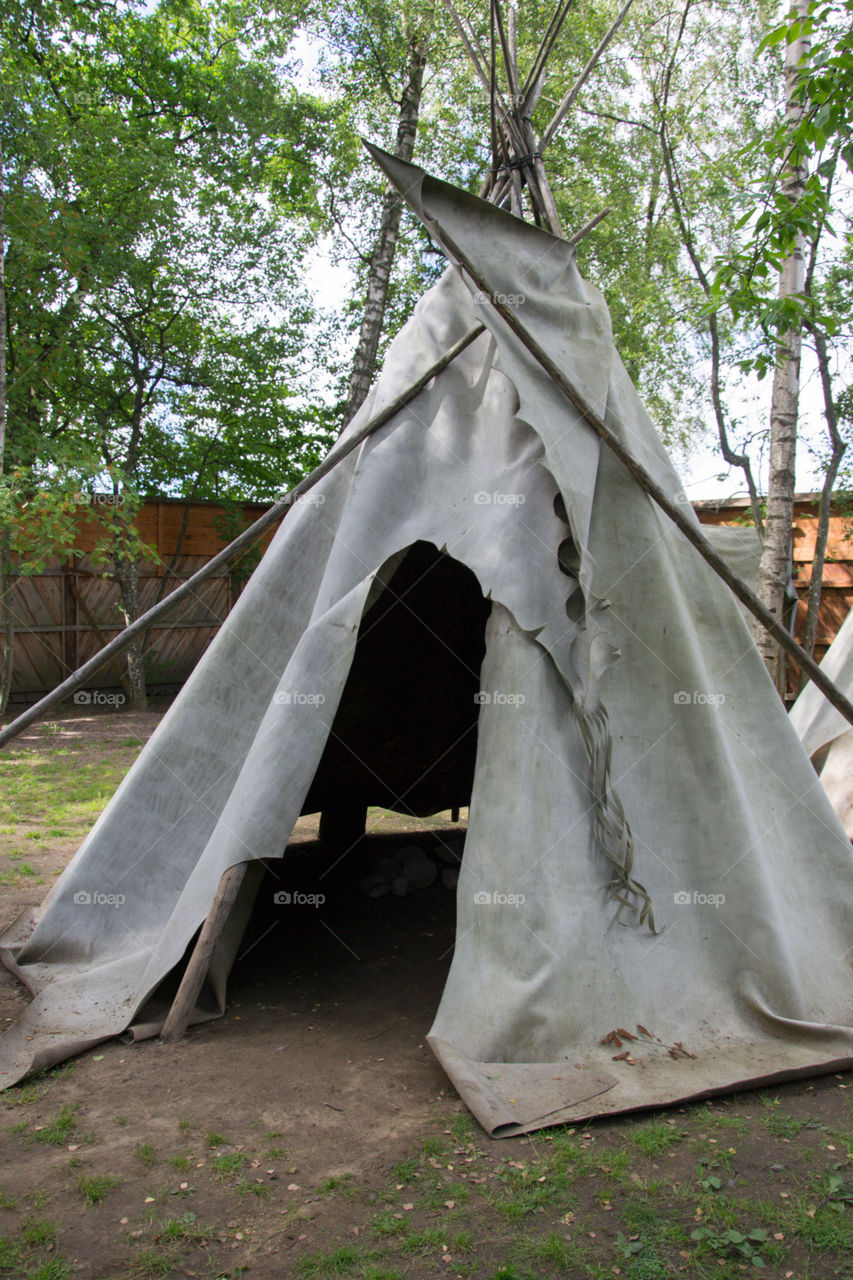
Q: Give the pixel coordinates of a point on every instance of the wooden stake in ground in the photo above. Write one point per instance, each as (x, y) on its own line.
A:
(199, 962)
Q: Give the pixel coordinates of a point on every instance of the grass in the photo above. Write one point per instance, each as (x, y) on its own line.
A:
(247, 1187)
(153, 1263)
(405, 1170)
(20, 1261)
(186, 1227)
(57, 1132)
(58, 792)
(94, 1186)
(655, 1138)
(389, 1224)
(339, 1262)
(24, 1095)
(229, 1162)
(35, 1231)
(338, 1182)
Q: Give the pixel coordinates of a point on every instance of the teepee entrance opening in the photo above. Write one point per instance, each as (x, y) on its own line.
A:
(404, 739)
(404, 736)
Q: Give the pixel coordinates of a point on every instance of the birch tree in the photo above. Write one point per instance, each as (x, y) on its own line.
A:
(382, 257)
(774, 572)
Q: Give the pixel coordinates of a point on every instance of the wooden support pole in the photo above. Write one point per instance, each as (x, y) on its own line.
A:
(560, 114)
(537, 70)
(199, 962)
(588, 226)
(245, 539)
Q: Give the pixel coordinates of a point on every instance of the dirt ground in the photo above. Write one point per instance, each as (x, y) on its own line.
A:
(310, 1132)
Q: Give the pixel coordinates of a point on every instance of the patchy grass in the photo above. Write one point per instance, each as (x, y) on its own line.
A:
(186, 1227)
(229, 1162)
(146, 1154)
(52, 794)
(94, 1186)
(32, 1253)
(57, 1132)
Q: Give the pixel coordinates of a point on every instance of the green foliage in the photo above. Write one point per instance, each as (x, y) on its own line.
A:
(733, 1243)
(812, 140)
(160, 188)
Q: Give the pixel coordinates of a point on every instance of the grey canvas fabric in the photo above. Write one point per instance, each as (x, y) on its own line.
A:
(634, 715)
(825, 734)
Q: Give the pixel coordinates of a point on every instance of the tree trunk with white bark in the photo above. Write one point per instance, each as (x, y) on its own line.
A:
(774, 570)
(382, 258)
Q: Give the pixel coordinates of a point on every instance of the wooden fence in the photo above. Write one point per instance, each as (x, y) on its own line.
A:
(66, 613)
(837, 593)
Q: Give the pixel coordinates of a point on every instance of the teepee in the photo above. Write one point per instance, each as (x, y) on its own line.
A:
(648, 848)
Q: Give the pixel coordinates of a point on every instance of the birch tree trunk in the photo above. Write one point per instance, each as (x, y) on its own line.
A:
(839, 448)
(784, 405)
(382, 258)
(127, 577)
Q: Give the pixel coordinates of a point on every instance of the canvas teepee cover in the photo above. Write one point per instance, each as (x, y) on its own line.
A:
(629, 741)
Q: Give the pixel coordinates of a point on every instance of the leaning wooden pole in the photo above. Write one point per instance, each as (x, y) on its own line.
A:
(646, 480)
(595, 57)
(245, 539)
(198, 964)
